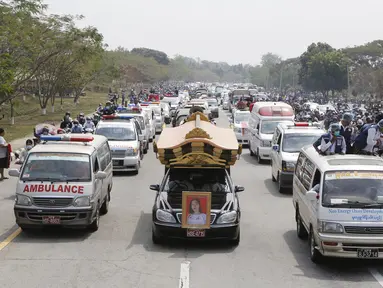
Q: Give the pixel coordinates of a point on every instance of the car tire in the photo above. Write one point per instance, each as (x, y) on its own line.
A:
(26, 229)
(315, 255)
(251, 151)
(105, 206)
(156, 240)
(259, 159)
(281, 189)
(301, 229)
(93, 227)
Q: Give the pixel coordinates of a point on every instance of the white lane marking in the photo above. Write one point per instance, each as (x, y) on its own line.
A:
(184, 275)
(378, 277)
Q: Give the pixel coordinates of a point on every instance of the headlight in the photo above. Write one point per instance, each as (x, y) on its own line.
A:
(330, 227)
(131, 152)
(227, 218)
(266, 143)
(164, 216)
(288, 166)
(23, 200)
(82, 201)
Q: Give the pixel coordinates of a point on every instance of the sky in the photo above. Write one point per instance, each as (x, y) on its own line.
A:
(232, 31)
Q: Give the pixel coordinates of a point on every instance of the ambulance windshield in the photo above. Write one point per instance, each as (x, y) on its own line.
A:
(57, 167)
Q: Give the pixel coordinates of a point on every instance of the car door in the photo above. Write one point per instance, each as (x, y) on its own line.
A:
(278, 155)
(274, 153)
(306, 179)
(98, 183)
(298, 189)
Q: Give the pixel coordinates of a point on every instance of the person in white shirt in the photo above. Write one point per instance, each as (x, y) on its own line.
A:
(89, 123)
(3, 154)
(368, 138)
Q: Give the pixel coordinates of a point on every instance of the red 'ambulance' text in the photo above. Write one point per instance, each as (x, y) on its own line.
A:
(53, 188)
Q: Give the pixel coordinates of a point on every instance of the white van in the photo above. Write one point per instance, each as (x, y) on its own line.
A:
(264, 118)
(338, 203)
(286, 144)
(66, 180)
(124, 141)
(148, 110)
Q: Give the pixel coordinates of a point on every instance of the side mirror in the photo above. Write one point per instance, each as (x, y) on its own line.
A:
(276, 148)
(239, 188)
(14, 172)
(100, 175)
(311, 195)
(155, 187)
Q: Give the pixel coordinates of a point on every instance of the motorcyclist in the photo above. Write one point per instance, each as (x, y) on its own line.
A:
(77, 128)
(100, 108)
(108, 109)
(67, 121)
(89, 123)
(81, 119)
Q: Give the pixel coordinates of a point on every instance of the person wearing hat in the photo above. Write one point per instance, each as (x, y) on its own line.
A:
(368, 138)
(333, 142)
(346, 130)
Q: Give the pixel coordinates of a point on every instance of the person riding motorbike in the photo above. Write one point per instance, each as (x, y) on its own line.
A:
(89, 123)
(67, 121)
(108, 109)
(77, 128)
(81, 118)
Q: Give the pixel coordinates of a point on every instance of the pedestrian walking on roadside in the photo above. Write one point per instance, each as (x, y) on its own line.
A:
(3, 154)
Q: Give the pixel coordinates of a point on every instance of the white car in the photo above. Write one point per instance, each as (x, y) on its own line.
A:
(241, 126)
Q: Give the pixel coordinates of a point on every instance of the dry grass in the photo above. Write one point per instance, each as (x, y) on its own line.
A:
(28, 113)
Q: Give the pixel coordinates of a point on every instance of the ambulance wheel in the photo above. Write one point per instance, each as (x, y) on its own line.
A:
(272, 175)
(105, 206)
(96, 222)
(259, 159)
(301, 229)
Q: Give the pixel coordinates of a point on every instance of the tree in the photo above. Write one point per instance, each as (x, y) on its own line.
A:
(269, 60)
(159, 56)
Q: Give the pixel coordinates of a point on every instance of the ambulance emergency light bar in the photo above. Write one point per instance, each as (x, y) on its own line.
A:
(132, 108)
(276, 111)
(148, 103)
(114, 116)
(302, 124)
(67, 138)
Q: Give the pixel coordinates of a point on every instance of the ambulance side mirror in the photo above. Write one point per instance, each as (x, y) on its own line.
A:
(100, 175)
(14, 172)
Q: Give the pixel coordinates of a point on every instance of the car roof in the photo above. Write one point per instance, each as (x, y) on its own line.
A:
(349, 162)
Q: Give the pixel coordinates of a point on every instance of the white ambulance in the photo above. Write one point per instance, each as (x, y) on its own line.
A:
(264, 119)
(65, 181)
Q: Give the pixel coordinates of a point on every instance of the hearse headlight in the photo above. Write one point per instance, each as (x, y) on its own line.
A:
(229, 217)
(330, 227)
(23, 200)
(164, 216)
(83, 201)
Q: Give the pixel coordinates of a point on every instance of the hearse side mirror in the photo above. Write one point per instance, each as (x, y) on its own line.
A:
(14, 172)
(311, 195)
(276, 147)
(239, 188)
(100, 175)
(155, 187)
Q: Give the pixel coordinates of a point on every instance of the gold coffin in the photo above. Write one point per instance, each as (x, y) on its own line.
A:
(197, 143)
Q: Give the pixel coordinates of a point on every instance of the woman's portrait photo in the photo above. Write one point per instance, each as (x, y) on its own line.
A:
(196, 209)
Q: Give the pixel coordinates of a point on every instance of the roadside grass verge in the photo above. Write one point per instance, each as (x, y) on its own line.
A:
(28, 113)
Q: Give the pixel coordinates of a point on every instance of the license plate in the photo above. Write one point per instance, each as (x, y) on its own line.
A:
(368, 253)
(51, 220)
(195, 233)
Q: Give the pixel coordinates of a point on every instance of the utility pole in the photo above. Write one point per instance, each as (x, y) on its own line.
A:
(280, 80)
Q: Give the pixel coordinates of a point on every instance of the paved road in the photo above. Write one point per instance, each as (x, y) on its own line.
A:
(121, 254)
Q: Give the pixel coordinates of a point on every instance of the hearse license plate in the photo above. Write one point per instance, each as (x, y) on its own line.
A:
(195, 233)
(51, 220)
(368, 253)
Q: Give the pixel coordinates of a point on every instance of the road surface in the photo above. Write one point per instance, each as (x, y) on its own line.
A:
(121, 253)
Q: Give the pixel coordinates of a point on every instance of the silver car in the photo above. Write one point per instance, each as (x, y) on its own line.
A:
(213, 106)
